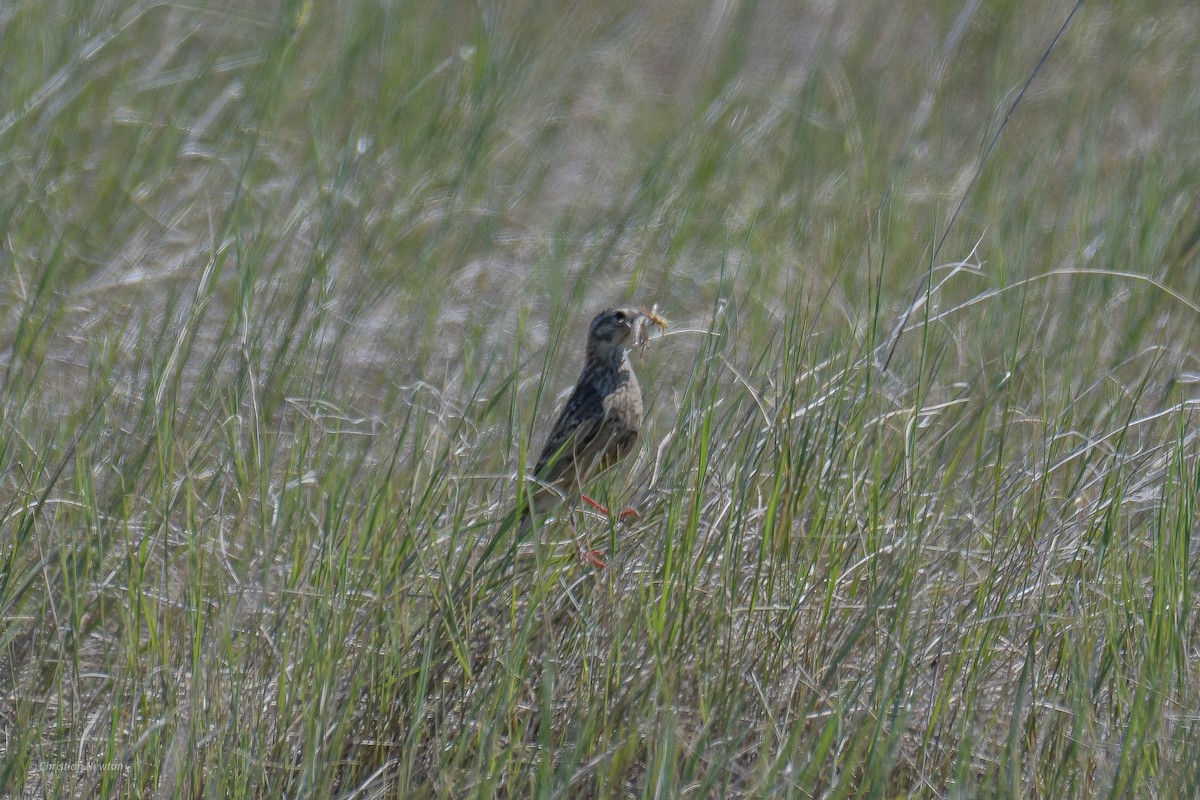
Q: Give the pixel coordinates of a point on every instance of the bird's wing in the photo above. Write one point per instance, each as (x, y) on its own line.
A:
(569, 452)
(574, 441)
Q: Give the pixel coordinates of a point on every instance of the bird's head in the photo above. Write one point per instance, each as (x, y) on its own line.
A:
(616, 329)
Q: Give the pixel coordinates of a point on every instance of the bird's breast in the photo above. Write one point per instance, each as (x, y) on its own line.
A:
(623, 405)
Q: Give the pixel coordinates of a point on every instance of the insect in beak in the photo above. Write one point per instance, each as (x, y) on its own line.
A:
(641, 334)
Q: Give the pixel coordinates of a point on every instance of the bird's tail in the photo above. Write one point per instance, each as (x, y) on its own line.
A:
(514, 526)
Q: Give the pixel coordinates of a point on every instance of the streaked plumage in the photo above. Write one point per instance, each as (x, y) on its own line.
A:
(599, 425)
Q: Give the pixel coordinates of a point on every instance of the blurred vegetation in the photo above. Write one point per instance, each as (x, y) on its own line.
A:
(291, 289)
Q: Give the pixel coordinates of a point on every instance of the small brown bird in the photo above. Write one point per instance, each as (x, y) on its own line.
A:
(599, 425)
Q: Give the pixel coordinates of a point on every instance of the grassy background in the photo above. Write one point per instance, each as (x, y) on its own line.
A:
(291, 291)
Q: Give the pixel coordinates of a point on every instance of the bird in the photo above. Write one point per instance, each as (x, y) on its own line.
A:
(599, 425)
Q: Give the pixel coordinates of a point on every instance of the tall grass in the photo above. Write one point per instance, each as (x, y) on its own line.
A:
(292, 291)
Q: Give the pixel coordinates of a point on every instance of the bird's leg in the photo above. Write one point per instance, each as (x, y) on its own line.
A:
(625, 516)
(595, 505)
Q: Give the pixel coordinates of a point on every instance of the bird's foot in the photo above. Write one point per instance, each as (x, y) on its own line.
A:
(593, 557)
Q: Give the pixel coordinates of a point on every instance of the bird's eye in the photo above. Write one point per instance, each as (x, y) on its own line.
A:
(619, 316)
